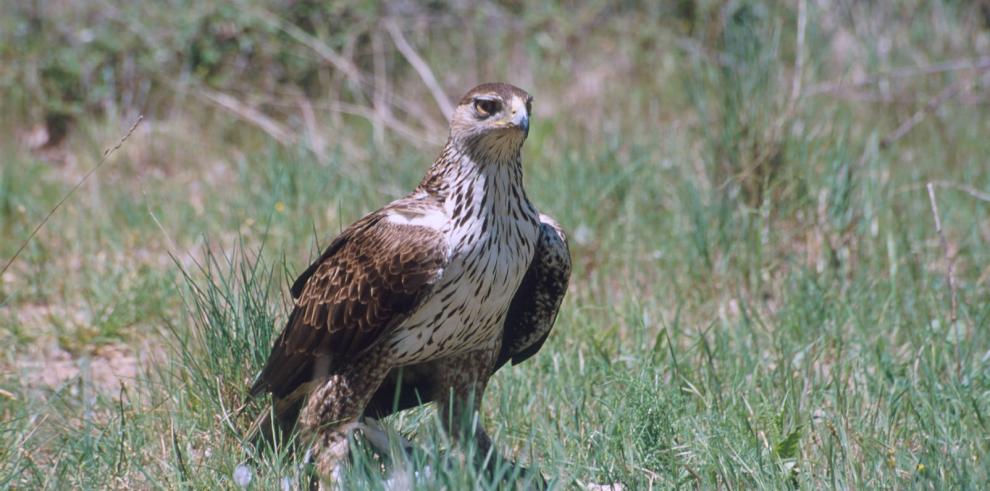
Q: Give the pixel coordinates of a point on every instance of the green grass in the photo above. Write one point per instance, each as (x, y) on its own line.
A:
(759, 296)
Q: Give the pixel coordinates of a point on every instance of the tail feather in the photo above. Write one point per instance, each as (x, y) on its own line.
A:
(276, 424)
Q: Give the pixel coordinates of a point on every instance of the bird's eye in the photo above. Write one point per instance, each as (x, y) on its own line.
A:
(486, 107)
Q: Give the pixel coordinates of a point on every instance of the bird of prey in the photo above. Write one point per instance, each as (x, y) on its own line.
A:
(424, 299)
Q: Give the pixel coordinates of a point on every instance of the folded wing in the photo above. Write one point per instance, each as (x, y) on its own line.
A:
(534, 307)
(371, 278)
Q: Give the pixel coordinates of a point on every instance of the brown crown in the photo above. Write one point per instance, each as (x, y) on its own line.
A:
(505, 91)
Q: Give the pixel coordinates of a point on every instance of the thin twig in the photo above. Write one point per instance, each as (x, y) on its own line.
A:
(950, 268)
(359, 81)
(950, 263)
(273, 128)
(947, 93)
(313, 137)
(980, 63)
(971, 98)
(106, 155)
(421, 68)
(970, 190)
(306, 39)
(802, 21)
(381, 86)
(411, 135)
(354, 75)
(419, 138)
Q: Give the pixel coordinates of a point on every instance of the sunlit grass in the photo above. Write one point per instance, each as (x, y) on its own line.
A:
(757, 301)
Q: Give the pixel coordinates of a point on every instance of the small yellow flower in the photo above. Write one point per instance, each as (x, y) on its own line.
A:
(279, 206)
(921, 468)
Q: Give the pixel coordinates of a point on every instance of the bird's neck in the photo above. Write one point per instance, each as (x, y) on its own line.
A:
(475, 184)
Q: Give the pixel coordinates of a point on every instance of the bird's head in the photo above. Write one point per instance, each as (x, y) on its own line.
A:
(492, 120)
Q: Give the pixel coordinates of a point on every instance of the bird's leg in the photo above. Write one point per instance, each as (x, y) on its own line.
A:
(332, 410)
(457, 411)
(461, 384)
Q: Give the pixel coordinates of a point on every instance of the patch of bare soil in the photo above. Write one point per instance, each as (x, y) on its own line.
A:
(104, 368)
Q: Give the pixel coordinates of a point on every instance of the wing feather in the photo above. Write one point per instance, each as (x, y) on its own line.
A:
(535, 305)
(368, 280)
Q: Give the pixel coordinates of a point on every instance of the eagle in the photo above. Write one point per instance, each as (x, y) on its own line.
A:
(426, 298)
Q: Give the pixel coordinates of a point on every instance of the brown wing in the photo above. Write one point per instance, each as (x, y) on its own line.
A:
(370, 279)
(535, 305)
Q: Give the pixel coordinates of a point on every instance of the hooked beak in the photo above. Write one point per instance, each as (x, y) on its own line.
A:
(521, 120)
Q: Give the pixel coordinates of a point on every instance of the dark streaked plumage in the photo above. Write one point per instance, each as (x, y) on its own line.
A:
(536, 303)
(437, 290)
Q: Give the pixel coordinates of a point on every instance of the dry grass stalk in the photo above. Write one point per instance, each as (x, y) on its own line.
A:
(106, 155)
(833, 86)
(422, 69)
(934, 103)
(273, 128)
(970, 190)
(950, 266)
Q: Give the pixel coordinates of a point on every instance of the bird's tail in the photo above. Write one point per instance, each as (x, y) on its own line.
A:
(275, 424)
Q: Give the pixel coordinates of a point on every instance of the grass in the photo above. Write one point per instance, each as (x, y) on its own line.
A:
(759, 297)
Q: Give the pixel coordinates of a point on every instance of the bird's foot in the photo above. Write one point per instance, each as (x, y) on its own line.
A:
(380, 440)
(328, 455)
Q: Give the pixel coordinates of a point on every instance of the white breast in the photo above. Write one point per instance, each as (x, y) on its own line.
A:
(486, 266)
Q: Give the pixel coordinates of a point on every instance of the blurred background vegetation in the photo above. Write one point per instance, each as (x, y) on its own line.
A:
(760, 296)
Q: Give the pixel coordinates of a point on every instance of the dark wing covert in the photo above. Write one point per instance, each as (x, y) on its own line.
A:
(535, 305)
(370, 279)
